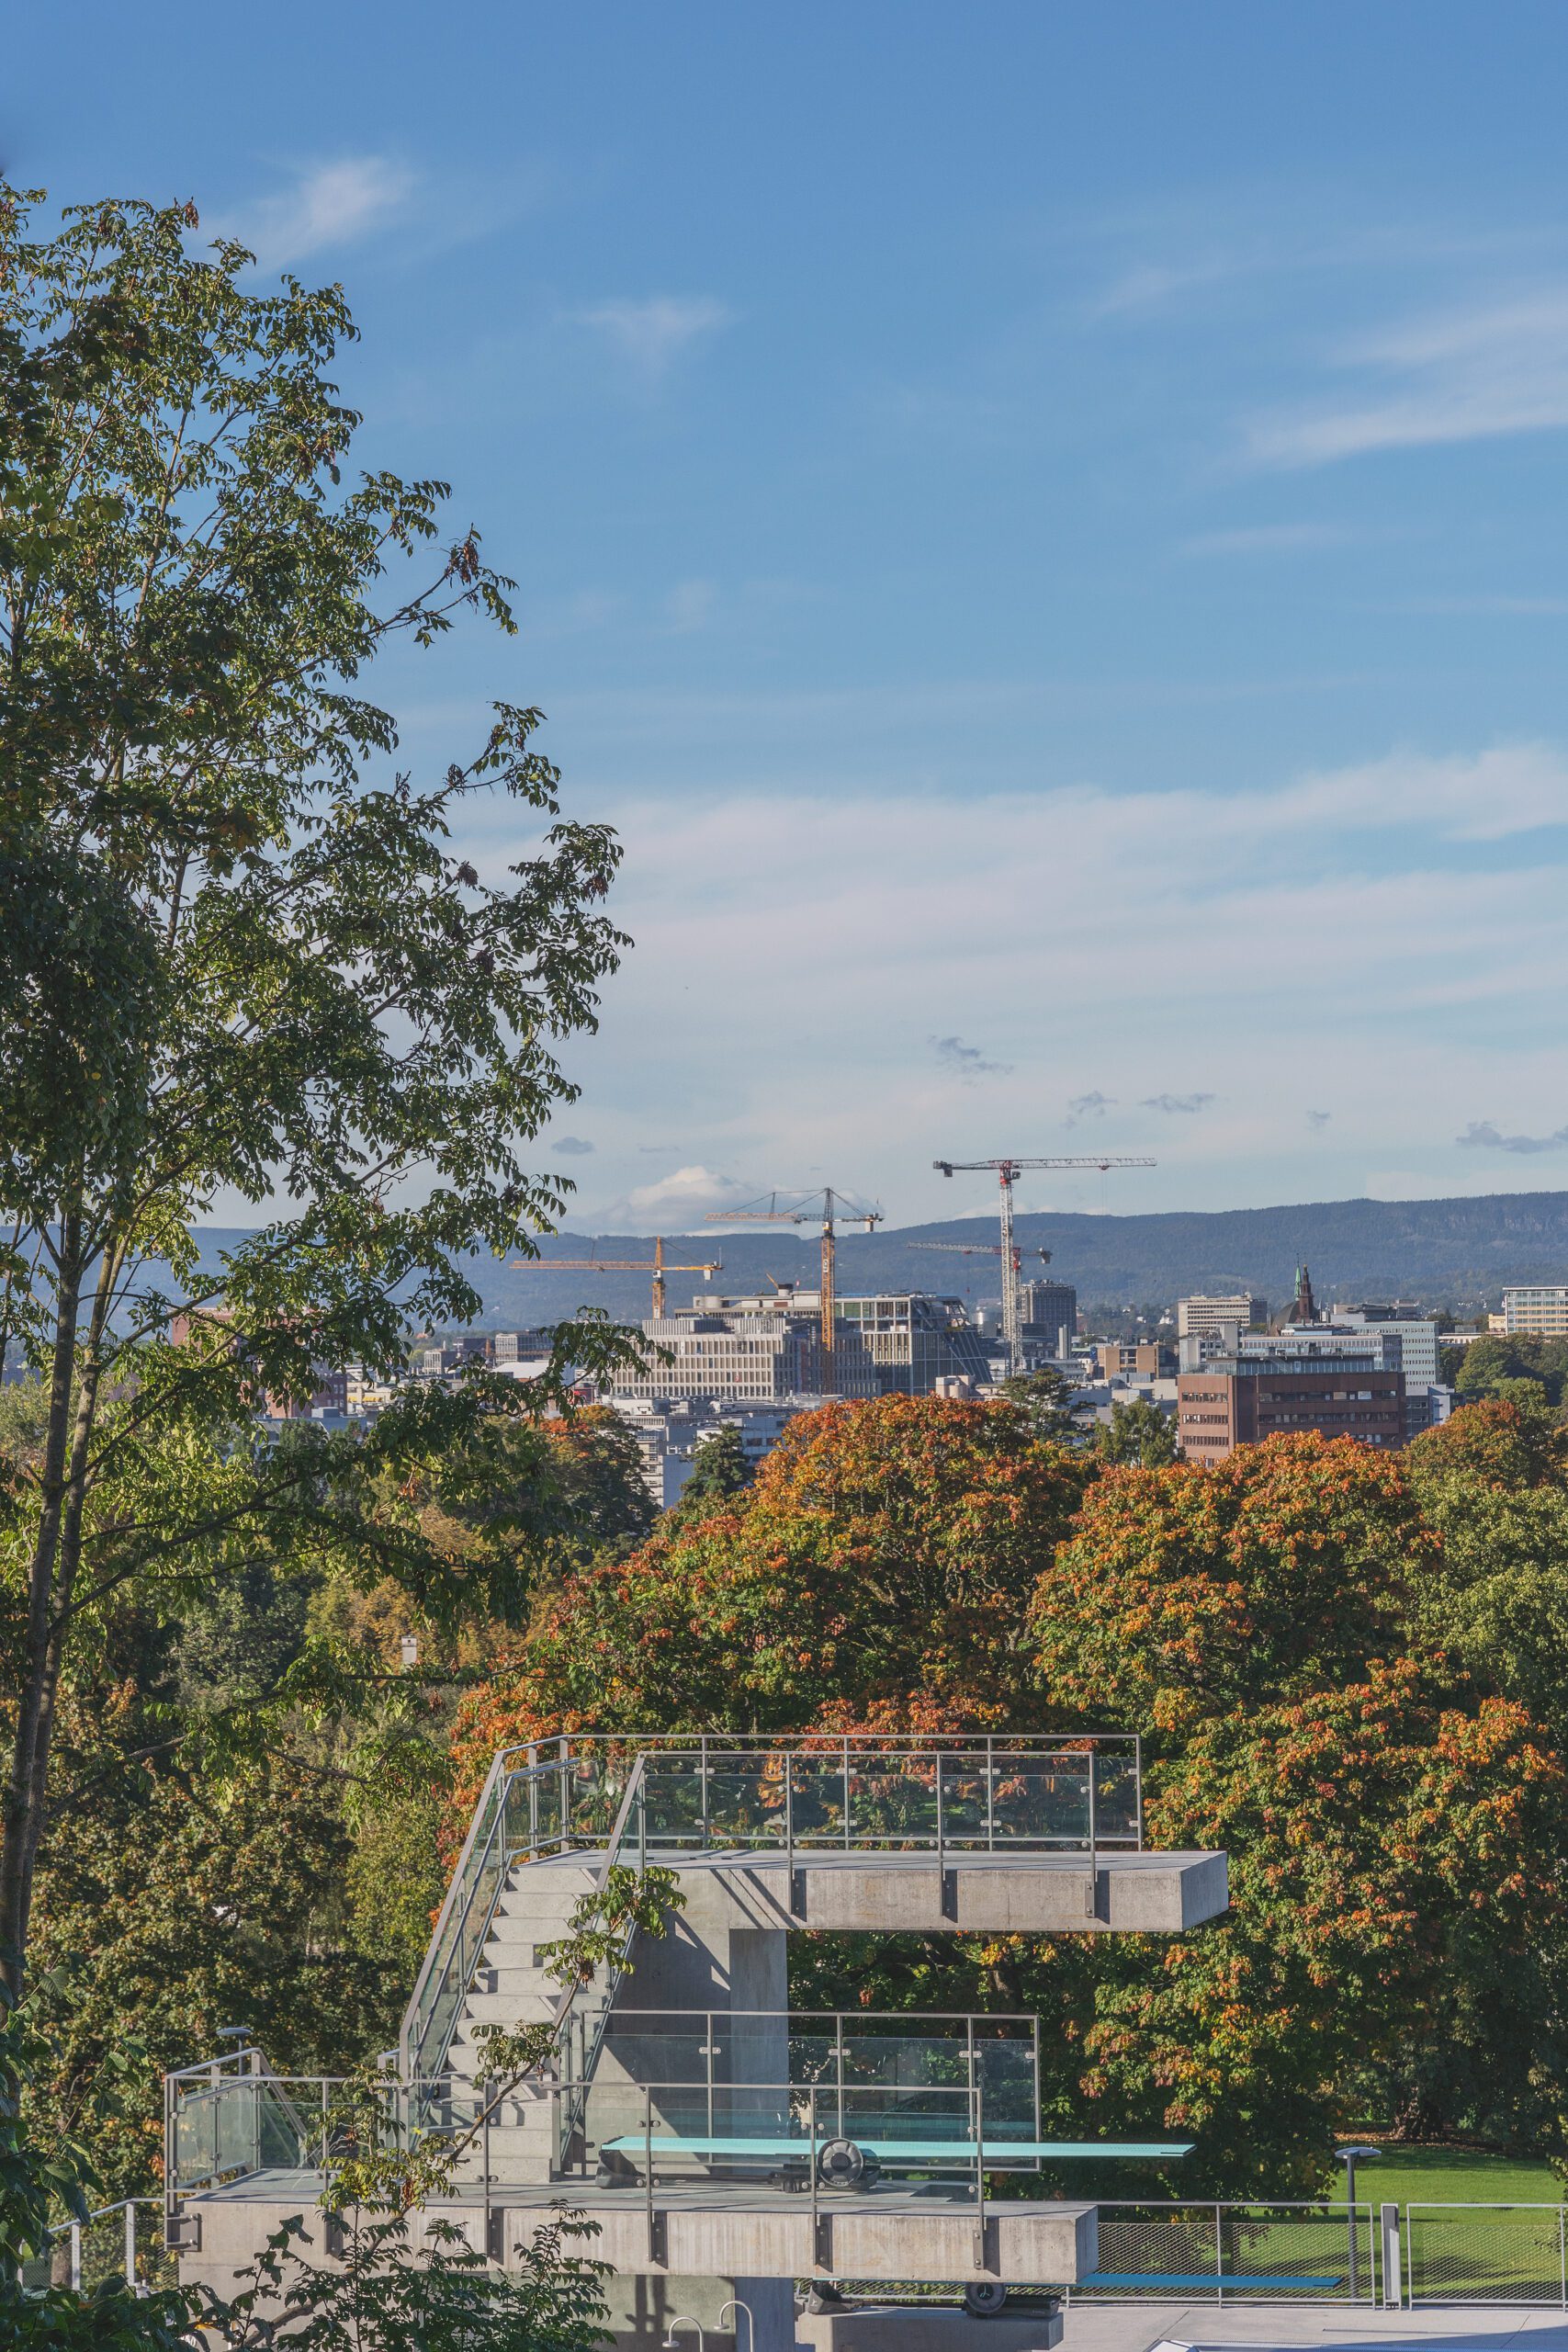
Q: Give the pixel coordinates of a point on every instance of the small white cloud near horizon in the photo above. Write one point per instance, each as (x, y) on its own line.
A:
(1462, 375)
(574, 1147)
(1093, 1105)
(652, 335)
(1318, 1120)
(675, 1204)
(329, 204)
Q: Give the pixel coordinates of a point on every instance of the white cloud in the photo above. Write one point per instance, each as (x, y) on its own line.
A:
(1464, 375)
(1331, 938)
(329, 204)
(676, 1204)
(652, 335)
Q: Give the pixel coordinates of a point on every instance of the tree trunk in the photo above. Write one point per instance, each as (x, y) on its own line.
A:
(23, 1795)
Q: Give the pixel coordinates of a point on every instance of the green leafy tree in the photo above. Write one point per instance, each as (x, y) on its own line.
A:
(238, 950)
(1137, 1431)
(720, 1470)
(1488, 1365)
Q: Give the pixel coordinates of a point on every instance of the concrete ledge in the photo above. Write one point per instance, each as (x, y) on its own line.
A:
(907, 1894)
(925, 2327)
(1052, 2244)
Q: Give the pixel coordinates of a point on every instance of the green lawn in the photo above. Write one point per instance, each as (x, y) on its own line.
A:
(1455, 2176)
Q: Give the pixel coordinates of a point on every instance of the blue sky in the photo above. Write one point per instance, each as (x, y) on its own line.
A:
(1044, 526)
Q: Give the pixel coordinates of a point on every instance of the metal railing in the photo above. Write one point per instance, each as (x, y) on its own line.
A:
(108, 2245)
(673, 1793)
(236, 2119)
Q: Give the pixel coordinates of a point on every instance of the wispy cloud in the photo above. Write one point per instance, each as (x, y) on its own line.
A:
(1482, 1135)
(688, 607)
(1274, 539)
(328, 205)
(963, 1061)
(1093, 1105)
(1175, 1102)
(572, 1147)
(652, 335)
(1462, 375)
(1318, 1120)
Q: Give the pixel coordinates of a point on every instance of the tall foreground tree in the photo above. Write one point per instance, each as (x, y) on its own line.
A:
(239, 957)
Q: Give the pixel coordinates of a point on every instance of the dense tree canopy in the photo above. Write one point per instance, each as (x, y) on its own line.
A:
(1284, 1629)
(239, 953)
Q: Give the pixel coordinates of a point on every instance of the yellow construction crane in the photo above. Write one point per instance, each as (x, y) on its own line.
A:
(1008, 1172)
(834, 1207)
(655, 1266)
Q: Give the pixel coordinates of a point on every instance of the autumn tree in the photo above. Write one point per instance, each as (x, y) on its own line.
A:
(1186, 1590)
(884, 1548)
(1393, 1891)
(241, 951)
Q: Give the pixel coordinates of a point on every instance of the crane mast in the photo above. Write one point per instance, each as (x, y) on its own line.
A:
(1008, 1172)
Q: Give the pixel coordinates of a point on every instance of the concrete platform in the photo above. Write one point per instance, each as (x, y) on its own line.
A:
(883, 1892)
(692, 2231)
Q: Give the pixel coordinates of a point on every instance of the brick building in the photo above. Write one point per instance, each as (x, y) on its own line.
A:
(1240, 1400)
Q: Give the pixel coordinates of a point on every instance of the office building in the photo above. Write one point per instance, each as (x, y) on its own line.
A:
(1242, 1399)
(914, 1341)
(1048, 1316)
(1135, 1360)
(1207, 1313)
(1540, 1310)
(760, 1348)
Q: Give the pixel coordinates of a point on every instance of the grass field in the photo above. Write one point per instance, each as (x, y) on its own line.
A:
(1455, 2176)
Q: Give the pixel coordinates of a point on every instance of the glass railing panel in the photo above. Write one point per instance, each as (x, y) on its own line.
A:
(196, 2136)
(1006, 2079)
(1115, 1797)
(813, 2055)
(746, 1800)
(965, 1809)
(676, 1795)
(816, 1799)
(1042, 1803)
(893, 1800)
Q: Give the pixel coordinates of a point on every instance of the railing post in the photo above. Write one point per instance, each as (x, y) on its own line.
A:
(75, 2258)
(990, 1794)
(131, 2244)
(979, 2179)
(1219, 2253)
(789, 1823)
(811, 2163)
(1092, 1904)
(1561, 2259)
(1392, 2266)
(1138, 1783)
(941, 1840)
(533, 1754)
(846, 1793)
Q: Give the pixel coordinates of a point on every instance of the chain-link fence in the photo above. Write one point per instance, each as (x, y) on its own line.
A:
(1235, 2253)
(1486, 2254)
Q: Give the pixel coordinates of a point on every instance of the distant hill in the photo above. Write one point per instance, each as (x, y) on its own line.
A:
(1455, 1251)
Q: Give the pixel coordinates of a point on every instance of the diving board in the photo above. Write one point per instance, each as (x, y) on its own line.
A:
(894, 2151)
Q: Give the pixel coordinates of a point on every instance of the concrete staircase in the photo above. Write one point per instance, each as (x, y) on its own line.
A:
(511, 1988)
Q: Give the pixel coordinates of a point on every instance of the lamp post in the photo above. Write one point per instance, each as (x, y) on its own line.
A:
(735, 2304)
(682, 2321)
(1350, 2158)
